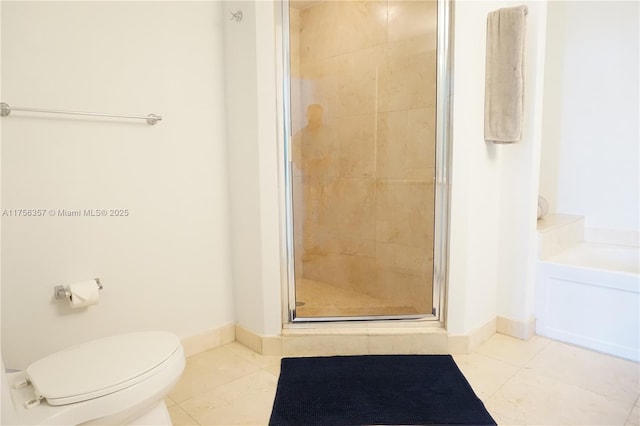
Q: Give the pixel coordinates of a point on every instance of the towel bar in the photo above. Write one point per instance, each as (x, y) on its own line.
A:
(5, 110)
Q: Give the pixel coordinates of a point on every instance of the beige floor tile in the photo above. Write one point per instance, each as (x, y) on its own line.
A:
(246, 401)
(179, 417)
(603, 374)
(534, 382)
(263, 361)
(485, 375)
(273, 369)
(634, 416)
(532, 398)
(208, 370)
(514, 351)
(169, 402)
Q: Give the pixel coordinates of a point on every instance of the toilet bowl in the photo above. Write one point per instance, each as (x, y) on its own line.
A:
(117, 380)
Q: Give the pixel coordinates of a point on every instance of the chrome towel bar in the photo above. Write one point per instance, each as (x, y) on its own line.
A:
(5, 110)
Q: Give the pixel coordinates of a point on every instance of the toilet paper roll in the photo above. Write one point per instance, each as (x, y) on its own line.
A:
(84, 293)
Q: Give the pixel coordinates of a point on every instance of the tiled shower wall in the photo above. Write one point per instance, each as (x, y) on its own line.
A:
(363, 77)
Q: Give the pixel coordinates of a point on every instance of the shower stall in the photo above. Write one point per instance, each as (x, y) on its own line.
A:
(366, 170)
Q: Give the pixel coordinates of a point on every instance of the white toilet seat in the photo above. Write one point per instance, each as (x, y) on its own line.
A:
(100, 367)
(139, 391)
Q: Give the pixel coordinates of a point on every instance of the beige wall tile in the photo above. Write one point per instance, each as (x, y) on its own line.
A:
(332, 242)
(340, 205)
(405, 212)
(404, 275)
(354, 272)
(405, 288)
(412, 82)
(357, 91)
(317, 68)
(409, 19)
(318, 84)
(338, 27)
(317, 38)
(357, 145)
(299, 184)
(294, 42)
(318, 148)
(406, 144)
(408, 258)
(360, 25)
(360, 81)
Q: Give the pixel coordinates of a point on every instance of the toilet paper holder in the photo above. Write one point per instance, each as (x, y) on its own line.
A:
(63, 293)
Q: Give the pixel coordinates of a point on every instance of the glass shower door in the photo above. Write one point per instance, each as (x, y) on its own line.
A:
(363, 114)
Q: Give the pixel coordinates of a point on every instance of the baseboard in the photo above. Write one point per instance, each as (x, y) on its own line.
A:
(265, 345)
(524, 330)
(465, 343)
(209, 339)
(248, 338)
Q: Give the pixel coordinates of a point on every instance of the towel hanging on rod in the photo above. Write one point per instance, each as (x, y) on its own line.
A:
(5, 110)
(504, 75)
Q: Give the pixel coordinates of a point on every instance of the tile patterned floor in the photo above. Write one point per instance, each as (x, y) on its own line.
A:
(538, 382)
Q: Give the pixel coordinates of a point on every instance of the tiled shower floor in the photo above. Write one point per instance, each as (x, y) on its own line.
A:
(326, 300)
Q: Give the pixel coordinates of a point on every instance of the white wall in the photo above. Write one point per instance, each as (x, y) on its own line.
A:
(591, 149)
(166, 265)
(493, 186)
(253, 165)
(520, 168)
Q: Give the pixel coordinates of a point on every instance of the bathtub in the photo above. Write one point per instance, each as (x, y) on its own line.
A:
(589, 295)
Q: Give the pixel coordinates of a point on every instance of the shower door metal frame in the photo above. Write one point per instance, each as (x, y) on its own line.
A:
(442, 180)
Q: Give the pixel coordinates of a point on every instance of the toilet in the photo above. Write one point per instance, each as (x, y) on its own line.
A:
(117, 380)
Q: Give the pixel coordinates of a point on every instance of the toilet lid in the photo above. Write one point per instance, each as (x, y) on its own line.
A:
(99, 367)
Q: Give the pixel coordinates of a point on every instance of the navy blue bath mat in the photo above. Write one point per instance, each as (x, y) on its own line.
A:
(375, 390)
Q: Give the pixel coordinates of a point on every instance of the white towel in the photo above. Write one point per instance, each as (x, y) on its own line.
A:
(504, 81)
